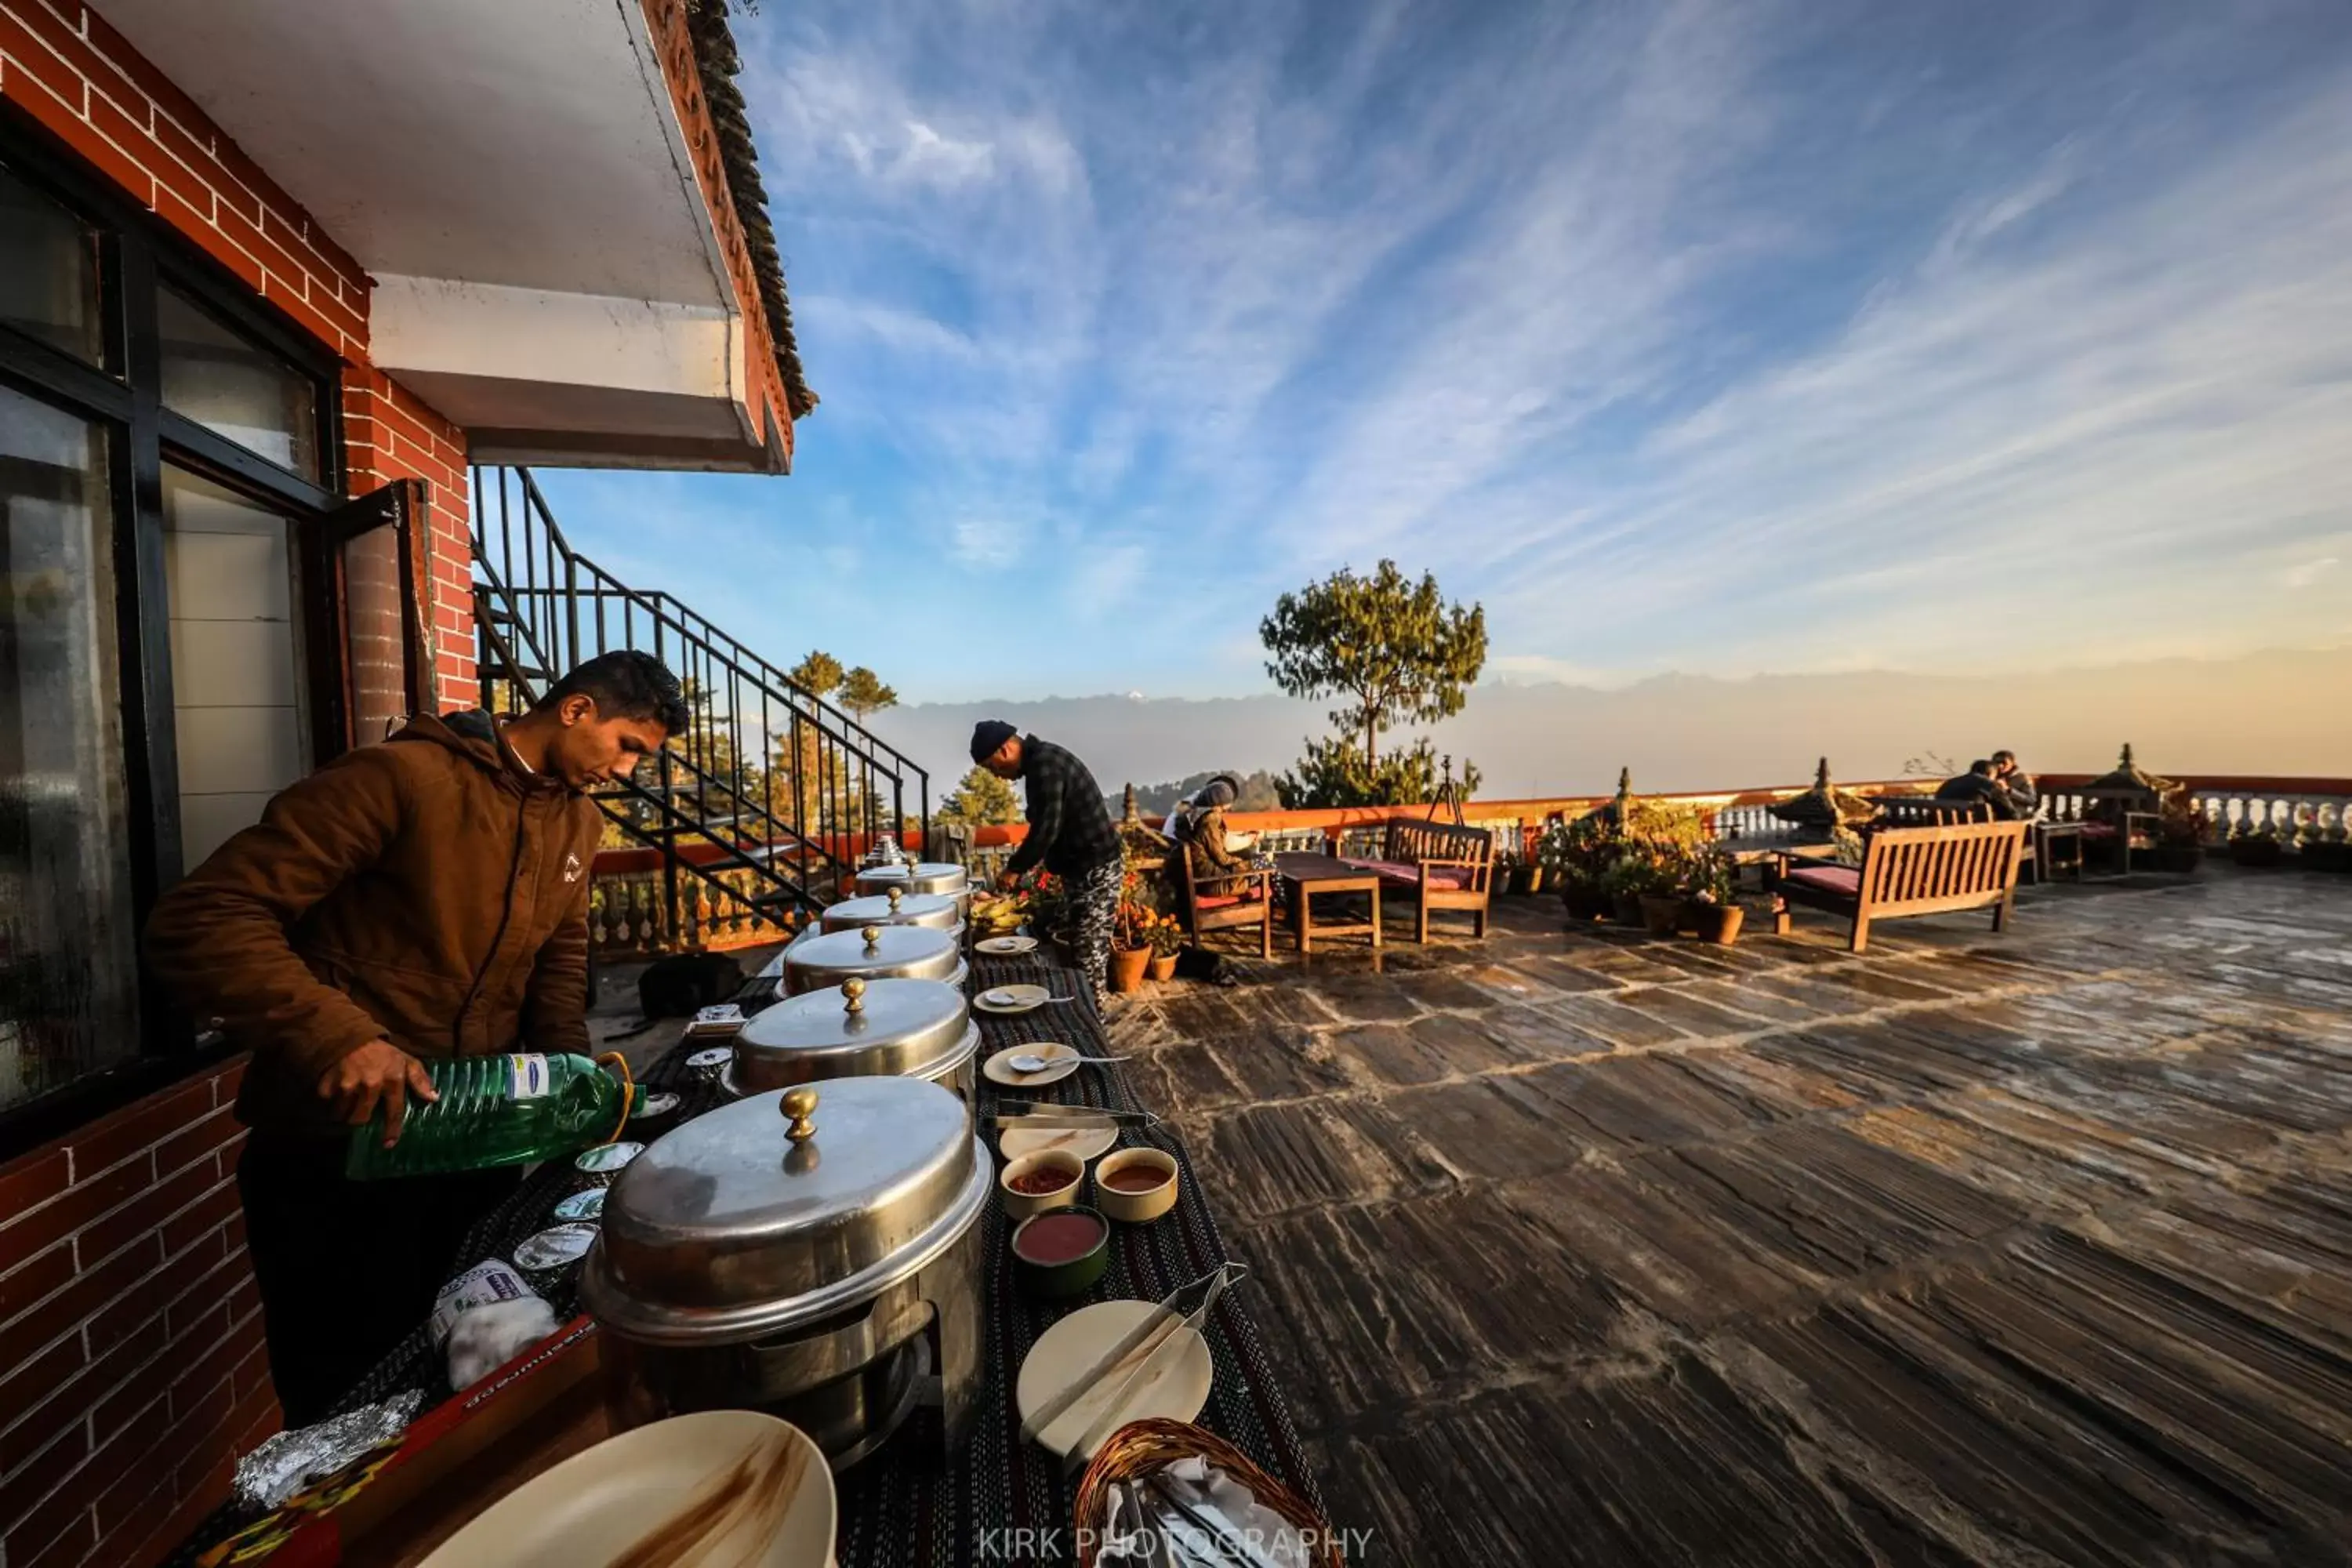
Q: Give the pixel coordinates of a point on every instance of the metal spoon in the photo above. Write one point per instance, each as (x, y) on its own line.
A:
(1030, 1061)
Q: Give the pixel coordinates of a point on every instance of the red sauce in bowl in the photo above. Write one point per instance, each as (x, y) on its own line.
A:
(1053, 1238)
(1135, 1179)
(1029, 1183)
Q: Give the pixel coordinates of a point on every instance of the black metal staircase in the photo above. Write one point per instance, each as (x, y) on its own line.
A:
(771, 793)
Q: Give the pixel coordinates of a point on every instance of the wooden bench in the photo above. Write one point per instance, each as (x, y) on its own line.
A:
(1910, 871)
(1928, 811)
(1224, 900)
(1439, 865)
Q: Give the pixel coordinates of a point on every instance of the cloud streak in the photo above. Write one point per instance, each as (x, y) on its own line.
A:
(1744, 337)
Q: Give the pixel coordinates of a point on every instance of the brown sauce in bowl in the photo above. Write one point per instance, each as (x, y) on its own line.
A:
(1136, 1179)
(1029, 1184)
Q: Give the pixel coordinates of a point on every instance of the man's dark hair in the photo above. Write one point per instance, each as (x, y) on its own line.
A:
(2003, 756)
(625, 684)
(1981, 765)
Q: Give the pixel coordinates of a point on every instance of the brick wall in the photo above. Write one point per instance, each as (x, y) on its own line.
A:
(131, 1368)
(86, 85)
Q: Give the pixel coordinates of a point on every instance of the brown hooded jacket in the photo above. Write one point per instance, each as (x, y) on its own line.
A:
(430, 891)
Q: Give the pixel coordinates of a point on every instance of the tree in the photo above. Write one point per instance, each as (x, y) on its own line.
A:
(1332, 774)
(1395, 650)
(981, 800)
(819, 674)
(862, 694)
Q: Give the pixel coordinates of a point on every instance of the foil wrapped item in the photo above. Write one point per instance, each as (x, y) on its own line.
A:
(284, 1465)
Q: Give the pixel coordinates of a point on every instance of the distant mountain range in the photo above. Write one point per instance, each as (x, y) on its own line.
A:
(2272, 713)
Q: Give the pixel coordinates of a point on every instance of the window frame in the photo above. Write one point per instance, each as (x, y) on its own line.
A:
(138, 255)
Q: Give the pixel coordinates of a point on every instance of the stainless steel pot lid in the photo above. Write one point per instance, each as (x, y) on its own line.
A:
(785, 1208)
(871, 953)
(918, 1027)
(940, 911)
(924, 876)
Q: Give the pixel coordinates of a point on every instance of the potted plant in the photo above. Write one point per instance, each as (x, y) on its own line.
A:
(1576, 857)
(2181, 836)
(2259, 847)
(1166, 937)
(1622, 884)
(1131, 947)
(1714, 897)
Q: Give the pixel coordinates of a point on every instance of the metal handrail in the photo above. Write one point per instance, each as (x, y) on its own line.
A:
(542, 606)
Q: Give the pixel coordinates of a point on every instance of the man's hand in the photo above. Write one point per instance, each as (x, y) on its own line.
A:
(377, 1073)
(1008, 880)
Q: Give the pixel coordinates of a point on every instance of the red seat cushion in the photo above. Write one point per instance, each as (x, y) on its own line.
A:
(1224, 901)
(1394, 870)
(1845, 880)
(1452, 878)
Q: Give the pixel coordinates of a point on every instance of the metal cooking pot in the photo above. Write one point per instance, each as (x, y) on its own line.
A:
(916, 1028)
(873, 953)
(938, 911)
(942, 876)
(813, 1253)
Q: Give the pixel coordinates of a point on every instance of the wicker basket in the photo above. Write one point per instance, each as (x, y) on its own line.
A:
(1141, 1447)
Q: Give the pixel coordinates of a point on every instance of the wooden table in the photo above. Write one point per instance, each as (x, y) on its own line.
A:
(1311, 874)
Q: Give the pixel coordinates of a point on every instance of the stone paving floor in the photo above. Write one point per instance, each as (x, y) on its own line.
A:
(1581, 1247)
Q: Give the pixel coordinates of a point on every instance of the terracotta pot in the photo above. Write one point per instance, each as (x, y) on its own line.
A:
(1126, 967)
(1661, 912)
(1718, 924)
(1628, 909)
(1162, 967)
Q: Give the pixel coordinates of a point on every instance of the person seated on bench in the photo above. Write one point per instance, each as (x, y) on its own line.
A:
(1978, 784)
(2018, 782)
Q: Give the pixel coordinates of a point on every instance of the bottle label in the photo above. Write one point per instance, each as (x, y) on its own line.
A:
(527, 1077)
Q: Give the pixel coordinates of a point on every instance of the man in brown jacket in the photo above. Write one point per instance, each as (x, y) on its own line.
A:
(423, 899)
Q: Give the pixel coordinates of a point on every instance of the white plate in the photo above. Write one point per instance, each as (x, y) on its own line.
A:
(1085, 1143)
(1006, 946)
(999, 1068)
(762, 1485)
(606, 1157)
(1177, 1389)
(1012, 999)
(587, 1204)
(557, 1246)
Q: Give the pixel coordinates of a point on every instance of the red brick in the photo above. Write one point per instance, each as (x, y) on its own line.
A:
(217, 243)
(157, 1300)
(247, 236)
(203, 1367)
(306, 316)
(113, 1139)
(33, 1231)
(24, 1389)
(34, 1178)
(137, 1495)
(71, 1549)
(206, 1133)
(33, 1282)
(41, 60)
(136, 1221)
(196, 1296)
(39, 1478)
(208, 1213)
(117, 163)
(134, 67)
(71, 1309)
(227, 1081)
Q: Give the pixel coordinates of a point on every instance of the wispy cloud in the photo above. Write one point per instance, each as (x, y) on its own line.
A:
(1739, 336)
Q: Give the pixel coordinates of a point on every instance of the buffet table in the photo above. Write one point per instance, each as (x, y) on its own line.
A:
(1000, 1499)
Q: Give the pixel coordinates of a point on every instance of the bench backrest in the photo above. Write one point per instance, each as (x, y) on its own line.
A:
(1409, 843)
(1927, 811)
(1959, 865)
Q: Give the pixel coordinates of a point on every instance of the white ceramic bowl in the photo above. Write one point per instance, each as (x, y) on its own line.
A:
(1138, 1208)
(1060, 1161)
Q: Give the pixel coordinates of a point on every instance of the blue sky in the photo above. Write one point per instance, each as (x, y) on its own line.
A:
(1728, 338)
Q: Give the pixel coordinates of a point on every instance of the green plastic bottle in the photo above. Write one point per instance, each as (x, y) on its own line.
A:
(495, 1110)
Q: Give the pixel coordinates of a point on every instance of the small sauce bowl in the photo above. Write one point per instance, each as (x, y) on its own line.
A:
(1122, 1191)
(1058, 1163)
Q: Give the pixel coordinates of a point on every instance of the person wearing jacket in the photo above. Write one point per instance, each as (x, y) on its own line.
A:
(1070, 834)
(1206, 831)
(2018, 782)
(1979, 786)
(415, 900)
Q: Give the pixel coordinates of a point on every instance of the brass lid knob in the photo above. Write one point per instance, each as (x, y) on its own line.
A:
(896, 894)
(873, 935)
(854, 991)
(799, 1105)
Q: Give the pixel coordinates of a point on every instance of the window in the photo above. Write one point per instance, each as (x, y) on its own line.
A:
(235, 388)
(48, 272)
(68, 991)
(235, 667)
